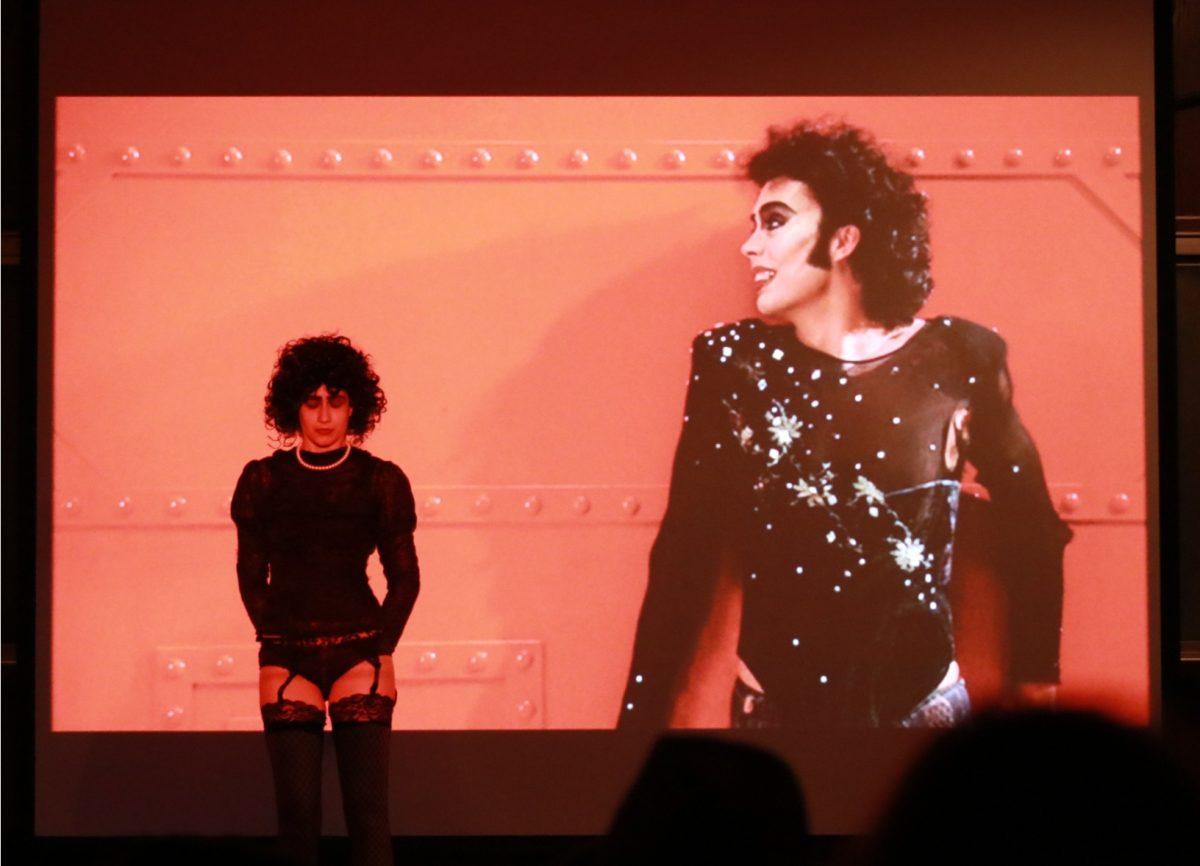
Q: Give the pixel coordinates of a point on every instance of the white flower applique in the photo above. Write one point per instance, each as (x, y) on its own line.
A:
(910, 554)
(864, 488)
(785, 428)
(817, 491)
(805, 491)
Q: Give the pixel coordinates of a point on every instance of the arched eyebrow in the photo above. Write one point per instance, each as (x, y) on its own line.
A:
(768, 206)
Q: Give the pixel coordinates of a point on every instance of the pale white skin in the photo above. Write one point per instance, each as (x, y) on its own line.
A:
(324, 419)
(823, 305)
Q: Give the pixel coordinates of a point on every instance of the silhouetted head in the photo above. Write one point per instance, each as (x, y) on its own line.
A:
(703, 800)
(1037, 785)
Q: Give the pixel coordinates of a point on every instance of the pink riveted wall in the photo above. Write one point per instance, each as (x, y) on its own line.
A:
(527, 274)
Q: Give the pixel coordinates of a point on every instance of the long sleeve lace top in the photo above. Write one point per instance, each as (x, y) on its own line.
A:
(304, 537)
(834, 486)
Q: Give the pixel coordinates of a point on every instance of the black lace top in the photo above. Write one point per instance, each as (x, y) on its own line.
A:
(304, 537)
(833, 487)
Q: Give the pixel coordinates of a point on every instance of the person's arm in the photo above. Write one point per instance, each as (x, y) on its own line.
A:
(397, 553)
(253, 564)
(686, 556)
(1030, 533)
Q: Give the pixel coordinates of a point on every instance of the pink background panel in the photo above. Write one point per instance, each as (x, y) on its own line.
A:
(530, 322)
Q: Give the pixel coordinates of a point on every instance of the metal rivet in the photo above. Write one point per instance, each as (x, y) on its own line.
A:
(432, 158)
(175, 668)
(524, 659)
(224, 665)
(965, 157)
(627, 158)
(528, 158)
(916, 156)
(181, 155)
(71, 506)
(630, 505)
(1014, 156)
(482, 504)
(432, 505)
(1113, 155)
(1063, 156)
(725, 159)
(232, 157)
(426, 661)
(381, 158)
(1119, 504)
(581, 505)
(1070, 502)
(173, 714)
(331, 158)
(477, 661)
(533, 505)
(282, 158)
(76, 152)
(130, 155)
(125, 505)
(527, 709)
(578, 158)
(176, 505)
(480, 157)
(675, 159)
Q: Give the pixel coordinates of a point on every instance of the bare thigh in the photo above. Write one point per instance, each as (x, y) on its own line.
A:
(271, 677)
(358, 680)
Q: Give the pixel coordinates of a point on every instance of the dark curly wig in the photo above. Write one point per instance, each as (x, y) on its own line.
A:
(851, 180)
(331, 360)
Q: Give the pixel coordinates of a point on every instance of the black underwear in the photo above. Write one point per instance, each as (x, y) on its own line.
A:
(320, 660)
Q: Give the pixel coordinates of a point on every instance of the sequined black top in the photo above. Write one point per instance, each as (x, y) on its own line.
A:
(304, 537)
(832, 488)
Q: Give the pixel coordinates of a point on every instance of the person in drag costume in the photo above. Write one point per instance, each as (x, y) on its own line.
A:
(822, 457)
(308, 517)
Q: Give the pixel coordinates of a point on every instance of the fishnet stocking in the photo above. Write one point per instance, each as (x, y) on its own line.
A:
(295, 754)
(362, 759)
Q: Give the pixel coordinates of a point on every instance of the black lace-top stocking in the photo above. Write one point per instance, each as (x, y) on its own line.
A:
(835, 487)
(304, 537)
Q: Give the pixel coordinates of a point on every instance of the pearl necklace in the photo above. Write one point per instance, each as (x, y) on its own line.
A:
(334, 465)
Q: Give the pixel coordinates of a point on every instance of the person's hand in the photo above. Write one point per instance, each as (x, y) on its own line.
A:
(1043, 696)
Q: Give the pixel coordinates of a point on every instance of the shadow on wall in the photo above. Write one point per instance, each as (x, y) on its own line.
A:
(600, 403)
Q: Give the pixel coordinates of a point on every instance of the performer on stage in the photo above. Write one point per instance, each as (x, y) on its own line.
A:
(821, 457)
(307, 519)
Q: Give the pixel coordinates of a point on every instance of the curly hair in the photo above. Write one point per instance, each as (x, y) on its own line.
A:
(851, 180)
(304, 365)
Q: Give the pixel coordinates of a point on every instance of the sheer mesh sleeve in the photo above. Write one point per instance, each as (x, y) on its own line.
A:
(252, 560)
(686, 556)
(1031, 535)
(397, 553)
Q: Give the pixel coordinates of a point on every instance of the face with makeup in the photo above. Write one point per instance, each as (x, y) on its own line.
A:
(324, 418)
(782, 248)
